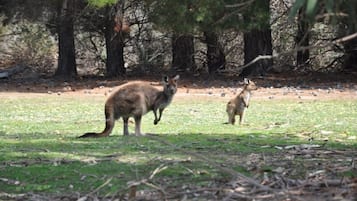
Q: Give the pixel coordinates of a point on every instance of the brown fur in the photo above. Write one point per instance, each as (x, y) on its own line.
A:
(238, 104)
(135, 99)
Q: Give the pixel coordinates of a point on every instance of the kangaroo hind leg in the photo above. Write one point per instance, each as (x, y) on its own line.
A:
(125, 126)
(137, 125)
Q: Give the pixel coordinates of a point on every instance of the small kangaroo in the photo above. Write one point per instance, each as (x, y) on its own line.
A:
(237, 105)
(135, 99)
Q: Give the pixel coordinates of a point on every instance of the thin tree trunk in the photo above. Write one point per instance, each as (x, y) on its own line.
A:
(114, 45)
(348, 27)
(350, 57)
(215, 56)
(66, 54)
(302, 39)
(257, 42)
(183, 53)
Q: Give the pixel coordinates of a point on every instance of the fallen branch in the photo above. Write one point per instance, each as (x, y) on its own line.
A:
(8, 196)
(83, 198)
(10, 71)
(327, 183)
(132, 185)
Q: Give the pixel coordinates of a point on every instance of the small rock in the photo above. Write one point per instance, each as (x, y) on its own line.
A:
(279, 170)
(352, 138)
(67, 88)
(323, 132)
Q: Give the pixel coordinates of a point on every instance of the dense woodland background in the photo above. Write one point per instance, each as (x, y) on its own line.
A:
(72, 38)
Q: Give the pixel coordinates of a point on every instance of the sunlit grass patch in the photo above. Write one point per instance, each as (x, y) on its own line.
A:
(40, 151)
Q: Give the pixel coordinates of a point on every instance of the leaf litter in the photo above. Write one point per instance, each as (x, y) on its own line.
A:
(306, 173)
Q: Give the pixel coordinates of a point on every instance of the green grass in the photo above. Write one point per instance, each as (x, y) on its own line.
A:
(40, 151)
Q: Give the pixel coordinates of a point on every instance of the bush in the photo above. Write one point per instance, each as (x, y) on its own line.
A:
(29, 44)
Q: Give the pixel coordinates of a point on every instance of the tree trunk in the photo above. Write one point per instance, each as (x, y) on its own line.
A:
(215, 56)
(350, 57)
(66, 54)
(183, 53)
(257, 42)
(114, 45)
(348, 27)
(302, 39)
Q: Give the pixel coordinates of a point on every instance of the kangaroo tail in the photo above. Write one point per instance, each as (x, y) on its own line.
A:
(109, 124)
(85, 135)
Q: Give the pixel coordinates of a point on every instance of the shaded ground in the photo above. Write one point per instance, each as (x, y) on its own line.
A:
(324, 183)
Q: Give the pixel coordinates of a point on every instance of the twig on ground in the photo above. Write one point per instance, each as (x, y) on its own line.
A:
(132, 185)
(214, 164)
(96, 190)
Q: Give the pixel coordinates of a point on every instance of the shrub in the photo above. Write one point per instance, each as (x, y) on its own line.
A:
(30, 44)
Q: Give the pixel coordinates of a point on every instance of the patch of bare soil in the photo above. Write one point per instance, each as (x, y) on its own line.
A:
(336, 86)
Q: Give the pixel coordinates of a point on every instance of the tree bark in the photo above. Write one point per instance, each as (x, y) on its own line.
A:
(114, 45)
(302, 39)
(183, 53)
(215, 56)
(66, 55)
(257, 42)
(350, 57)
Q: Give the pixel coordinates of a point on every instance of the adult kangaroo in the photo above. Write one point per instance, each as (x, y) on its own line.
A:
(135, 99)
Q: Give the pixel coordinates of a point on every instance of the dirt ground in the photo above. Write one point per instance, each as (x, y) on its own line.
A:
(336, 86)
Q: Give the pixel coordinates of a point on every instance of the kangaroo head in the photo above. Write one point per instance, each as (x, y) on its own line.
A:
(170, 85)
(249, 85)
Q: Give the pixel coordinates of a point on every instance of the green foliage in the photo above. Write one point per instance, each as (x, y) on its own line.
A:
(101, 3)
(337, 11)
(311, 7)
(2, 27)
(257, 15)
(189, 16)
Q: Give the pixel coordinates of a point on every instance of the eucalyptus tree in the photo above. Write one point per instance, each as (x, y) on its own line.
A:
(342, 14)
(59, 16)
(257, 37)
(110, 23)
(185, 19)
(65, 30)
(212, 17)
(175, 17)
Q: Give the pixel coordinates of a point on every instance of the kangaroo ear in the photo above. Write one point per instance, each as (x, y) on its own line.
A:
(165, 79)
(176, 77)
(246, 81)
